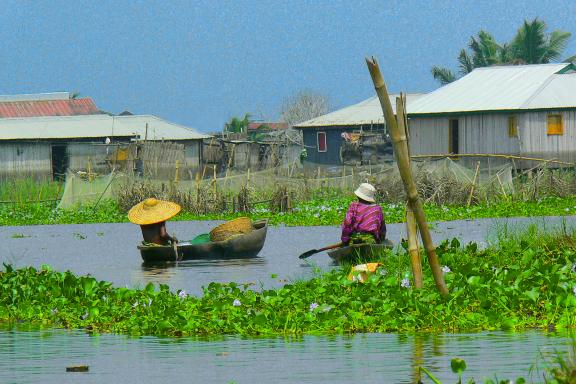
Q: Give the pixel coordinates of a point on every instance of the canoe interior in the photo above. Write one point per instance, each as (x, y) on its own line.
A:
(240, 247)
(359, 252)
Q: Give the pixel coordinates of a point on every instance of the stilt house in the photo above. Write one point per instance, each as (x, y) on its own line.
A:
(524, 110)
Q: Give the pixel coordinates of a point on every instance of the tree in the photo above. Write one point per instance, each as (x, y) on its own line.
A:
(237, 125)
(530, 45)
(305, 105)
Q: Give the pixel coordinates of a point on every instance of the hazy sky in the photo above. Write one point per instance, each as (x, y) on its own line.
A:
(199, 63)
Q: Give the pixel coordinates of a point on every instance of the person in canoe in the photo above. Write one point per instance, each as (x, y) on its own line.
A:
(364, 221)
(151, 214)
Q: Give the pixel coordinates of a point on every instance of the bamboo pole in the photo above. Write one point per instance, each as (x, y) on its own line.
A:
(413, 247)
(473, 184)
(411, 228)
(214, 182)
(197, 188)
(177, 171)
(403, 161)
(489, 155)
(501, 185)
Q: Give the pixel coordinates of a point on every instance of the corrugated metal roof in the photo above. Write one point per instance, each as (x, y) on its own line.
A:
(36, 96)
(272, 125)
(95, 126)
(32, 108)
(363, 113)
(502, 88)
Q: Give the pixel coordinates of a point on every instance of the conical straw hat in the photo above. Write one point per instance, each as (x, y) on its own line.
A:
(152, 211)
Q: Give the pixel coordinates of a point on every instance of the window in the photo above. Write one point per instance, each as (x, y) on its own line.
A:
(512, 126)
(453, 141)
(555, 125)
(321, 138)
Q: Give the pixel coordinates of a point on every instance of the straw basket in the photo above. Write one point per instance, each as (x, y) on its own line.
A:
(231, 228)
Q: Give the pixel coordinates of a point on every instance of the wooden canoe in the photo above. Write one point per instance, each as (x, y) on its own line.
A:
(359, 252)
(238, 247)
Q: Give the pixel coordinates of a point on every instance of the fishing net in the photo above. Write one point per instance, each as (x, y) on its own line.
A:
(441, 181)
(81, 188)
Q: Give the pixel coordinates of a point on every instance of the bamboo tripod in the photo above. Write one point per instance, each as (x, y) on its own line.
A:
(397, 129)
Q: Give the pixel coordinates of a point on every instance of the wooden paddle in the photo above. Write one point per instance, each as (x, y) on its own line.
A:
(313, 251)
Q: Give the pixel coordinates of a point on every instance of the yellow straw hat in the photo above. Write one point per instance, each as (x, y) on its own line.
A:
(152, 211)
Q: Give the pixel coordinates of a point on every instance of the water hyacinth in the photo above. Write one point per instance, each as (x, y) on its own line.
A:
(446, 269)
(182, 294)
(236, 303)
(313, 306)
(405, 283)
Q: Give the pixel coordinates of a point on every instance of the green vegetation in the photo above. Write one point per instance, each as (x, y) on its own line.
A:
(560, 369)
(314, 212)
(530, 45)
(523, 282)
(237, 125)
(23, 190)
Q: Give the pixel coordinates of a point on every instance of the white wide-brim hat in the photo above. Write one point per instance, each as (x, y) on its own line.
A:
(366, 192)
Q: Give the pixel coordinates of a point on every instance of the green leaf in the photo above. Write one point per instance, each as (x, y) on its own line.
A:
(458, 365)
(474, 280)
(533, 294)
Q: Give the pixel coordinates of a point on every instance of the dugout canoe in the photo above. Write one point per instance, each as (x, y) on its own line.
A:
(238, 247)
(359, 252)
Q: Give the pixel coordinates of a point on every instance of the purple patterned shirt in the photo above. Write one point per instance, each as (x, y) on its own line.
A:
(366, 218)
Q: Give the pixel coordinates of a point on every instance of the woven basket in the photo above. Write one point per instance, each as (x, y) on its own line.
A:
(239, 226)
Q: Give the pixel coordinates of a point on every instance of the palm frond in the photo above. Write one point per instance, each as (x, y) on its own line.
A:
(556, 44)
(466, 64)
(443, 75)
(529, 44)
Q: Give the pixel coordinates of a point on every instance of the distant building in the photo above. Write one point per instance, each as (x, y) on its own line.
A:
(46, 104)
(525, 110)
(325, 135)
(267, 126)
(43, 136)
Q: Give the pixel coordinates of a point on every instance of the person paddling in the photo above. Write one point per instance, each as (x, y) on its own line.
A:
(364, 221)
(151, 214)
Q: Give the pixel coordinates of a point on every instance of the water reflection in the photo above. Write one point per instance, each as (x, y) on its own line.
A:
(174, 274)
(40, 356)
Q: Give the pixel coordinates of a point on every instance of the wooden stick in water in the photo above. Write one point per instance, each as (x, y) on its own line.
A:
(402, 159)
(473, 184)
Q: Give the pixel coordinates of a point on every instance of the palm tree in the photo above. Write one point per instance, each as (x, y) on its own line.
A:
(237, 125)
(485, 51)
(531, 45)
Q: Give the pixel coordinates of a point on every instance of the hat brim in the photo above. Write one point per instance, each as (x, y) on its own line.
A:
(162, 211)
(364, 197)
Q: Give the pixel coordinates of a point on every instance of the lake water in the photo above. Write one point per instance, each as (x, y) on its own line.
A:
(41, 356)
(108, 252)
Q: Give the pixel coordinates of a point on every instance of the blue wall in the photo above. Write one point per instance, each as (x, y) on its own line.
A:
(333, 142)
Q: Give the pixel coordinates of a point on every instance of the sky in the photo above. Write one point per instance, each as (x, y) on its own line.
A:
(199, 63)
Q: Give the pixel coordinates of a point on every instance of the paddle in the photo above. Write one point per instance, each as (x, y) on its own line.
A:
(313, 251)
